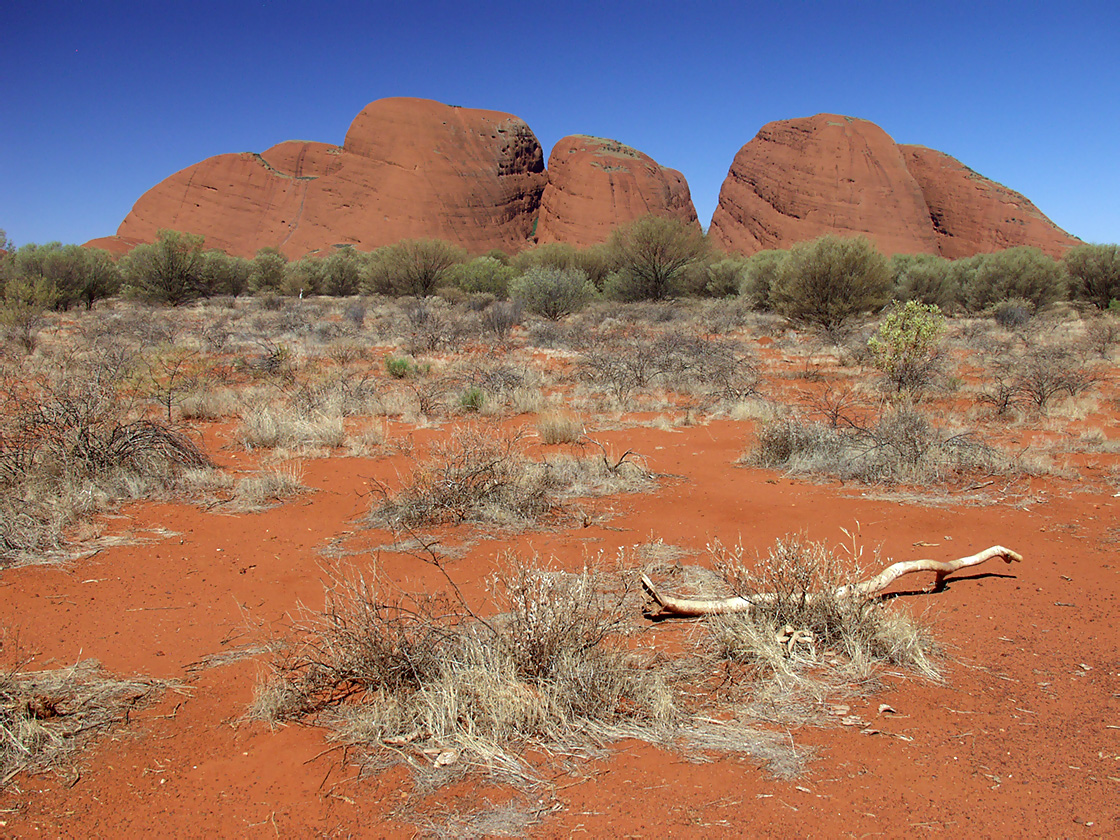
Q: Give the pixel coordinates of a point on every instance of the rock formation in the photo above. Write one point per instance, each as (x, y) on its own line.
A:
(595, 185)
(799, 179)
(972, 214)
(409, 168)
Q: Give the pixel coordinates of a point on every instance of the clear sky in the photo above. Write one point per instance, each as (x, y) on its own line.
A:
(103, 100)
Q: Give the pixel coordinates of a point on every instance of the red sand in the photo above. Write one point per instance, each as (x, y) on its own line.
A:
(1021, 740)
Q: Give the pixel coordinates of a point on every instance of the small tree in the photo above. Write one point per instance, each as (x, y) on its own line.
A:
(22, 307)
(170, 270)
(483, 274)
(925, 278)
(340, 274)
(1021, 272)
(418, 266)
(1094, 273)
(223, 274)
(553, 292)
(267, 274)
(907, 346)
(828, 280)
(653, 256)
(760, 271)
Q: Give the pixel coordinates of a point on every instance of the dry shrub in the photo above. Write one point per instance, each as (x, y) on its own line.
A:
(795, 592)
(901, 446)
(268, 426)
(422, 672)
(70, 446)
(46, 716)
(481, 475)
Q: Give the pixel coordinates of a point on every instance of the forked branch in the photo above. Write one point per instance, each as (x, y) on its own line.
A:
(685, 607)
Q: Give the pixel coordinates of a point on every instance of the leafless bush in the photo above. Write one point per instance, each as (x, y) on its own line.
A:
(1032, 378)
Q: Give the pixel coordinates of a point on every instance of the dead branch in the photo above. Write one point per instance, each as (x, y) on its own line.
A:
(685, 607)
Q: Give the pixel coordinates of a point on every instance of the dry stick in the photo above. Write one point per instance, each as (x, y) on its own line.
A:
(671, 606)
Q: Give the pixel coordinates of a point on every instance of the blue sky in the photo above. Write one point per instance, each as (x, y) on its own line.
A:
(103, 100)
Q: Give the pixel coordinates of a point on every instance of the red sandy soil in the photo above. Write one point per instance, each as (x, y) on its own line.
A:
(1020, 740)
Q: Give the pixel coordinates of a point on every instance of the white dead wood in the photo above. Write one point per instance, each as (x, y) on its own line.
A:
(670, 606)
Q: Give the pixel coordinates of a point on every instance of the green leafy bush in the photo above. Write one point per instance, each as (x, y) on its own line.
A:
(906, 347)
(827, 281)
(1094, 273)
(553, 292)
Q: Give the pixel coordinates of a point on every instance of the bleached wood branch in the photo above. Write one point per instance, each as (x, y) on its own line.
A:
(863, 590)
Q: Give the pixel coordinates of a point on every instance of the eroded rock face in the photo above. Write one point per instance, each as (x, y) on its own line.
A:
(972, 214)
(409, 168)
(800, 179)
(595, 185)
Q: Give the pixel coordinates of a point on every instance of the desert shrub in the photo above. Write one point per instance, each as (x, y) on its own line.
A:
(225, 275)
(500, 317)
(1094, 273)
(267, 274)
(301, 277)
(71, 446)
(723, 278)
(400, 367)
(925, 278)
(472, 399)
(78, 274)
(1021, 272)
(170, 270)
(654, 257)
(902, 446)
(558, 427)
(553, 292)
(760, 271)
(906, 348)
(1013, 313)
(23, 307)
(481, 475)
(1032, 378)
(483, 275)
(414, 267)
(627, 359)
(340, 274)
(827, 281)
(419, 671)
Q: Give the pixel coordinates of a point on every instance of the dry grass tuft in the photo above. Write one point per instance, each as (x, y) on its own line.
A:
(46, 716)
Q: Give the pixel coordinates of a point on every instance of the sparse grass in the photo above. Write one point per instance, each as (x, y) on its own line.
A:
(268, 426)
(46, 716)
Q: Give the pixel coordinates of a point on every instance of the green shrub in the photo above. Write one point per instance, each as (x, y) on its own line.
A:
(267, 274)
(486, 275)
(1021, 272)
(827, 281)
(553, 292)
(906, 347)
(760, 271)
(1094, 273)
(654, 257)
(472, 399)
(400, 367)
(925, 278)
(170, 270)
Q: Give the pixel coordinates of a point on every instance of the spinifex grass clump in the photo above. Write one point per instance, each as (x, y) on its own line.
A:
(423, 671)
(901, 446)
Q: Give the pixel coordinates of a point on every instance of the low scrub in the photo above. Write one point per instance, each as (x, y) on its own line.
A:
(902, 446)
(482, 475)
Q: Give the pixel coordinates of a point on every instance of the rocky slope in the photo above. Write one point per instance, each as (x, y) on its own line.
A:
(799, 179)
(595, 185)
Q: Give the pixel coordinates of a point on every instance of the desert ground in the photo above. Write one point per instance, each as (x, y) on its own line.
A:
(204, 592)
